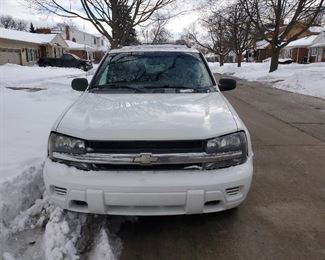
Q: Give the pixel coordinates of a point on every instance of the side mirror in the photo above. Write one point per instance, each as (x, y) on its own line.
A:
(227, 84)
(79, 84)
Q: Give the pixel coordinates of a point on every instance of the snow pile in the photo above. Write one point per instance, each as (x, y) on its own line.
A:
(102, 249)
(307, 79)
(31, 227)
(61, 235)
(20, 192)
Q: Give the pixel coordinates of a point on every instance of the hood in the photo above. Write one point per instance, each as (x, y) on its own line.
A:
(148, 117)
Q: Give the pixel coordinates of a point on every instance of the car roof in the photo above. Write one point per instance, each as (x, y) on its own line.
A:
(155, 48)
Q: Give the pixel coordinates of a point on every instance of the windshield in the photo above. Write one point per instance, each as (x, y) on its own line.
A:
(153, 70)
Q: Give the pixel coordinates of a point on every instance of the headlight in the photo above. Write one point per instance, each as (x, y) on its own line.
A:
(232, 149)
(64, 144)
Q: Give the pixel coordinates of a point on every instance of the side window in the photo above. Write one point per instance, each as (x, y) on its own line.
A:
(67, 57)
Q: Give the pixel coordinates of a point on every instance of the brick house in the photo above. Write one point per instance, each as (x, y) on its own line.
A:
(264, 50)
(308, 49)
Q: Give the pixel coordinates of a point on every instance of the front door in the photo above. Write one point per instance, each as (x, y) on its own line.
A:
(43, 51)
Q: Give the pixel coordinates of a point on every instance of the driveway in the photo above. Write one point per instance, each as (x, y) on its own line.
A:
(284, 214)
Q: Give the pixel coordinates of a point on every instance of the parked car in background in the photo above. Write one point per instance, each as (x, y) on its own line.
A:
(152, 134)
(68, 60)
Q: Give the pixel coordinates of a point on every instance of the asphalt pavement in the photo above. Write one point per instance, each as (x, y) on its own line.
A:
(283, 216)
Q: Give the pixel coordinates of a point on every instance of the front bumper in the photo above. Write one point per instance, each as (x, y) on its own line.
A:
(147, 192)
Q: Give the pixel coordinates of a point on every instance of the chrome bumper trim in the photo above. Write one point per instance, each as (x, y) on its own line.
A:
(147, 158)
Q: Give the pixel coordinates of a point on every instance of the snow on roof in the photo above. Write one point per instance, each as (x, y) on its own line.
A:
(78, 46)
(316, 29)
(303, 42)
(319, 45)
(262, 44)
(162, 47)
(22, 36)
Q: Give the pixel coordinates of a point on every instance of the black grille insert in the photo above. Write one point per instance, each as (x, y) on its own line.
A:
(146, 146)
(159, 167)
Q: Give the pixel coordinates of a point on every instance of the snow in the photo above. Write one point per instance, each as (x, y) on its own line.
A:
(316, 29)
(38, 38)
(78, 46)
(303, 42)
(260, 45)
(29, 114)
(31, 226)
(153, 47)
(307, 79)
(318, 45)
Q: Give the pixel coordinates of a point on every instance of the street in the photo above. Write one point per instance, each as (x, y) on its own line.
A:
(284, 214)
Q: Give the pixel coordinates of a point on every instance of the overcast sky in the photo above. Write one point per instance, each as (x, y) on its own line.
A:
(18, 9)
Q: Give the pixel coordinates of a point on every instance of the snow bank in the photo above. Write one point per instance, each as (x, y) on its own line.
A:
(31, 99)
(307, 79)
(61, 235)
(21, 192)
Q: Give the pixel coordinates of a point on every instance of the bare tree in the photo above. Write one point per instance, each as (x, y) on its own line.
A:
(269, 17)
(218, 38)
(8, 22)
(107, 16)
(240, 28)
(156, 32)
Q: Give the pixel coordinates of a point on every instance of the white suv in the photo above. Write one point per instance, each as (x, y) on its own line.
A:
(150, 135)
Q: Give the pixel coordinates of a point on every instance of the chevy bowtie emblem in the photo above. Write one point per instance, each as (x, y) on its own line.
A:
(145, 159)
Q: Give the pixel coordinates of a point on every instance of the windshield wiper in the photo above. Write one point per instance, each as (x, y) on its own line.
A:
(178, 88)
(112, 86)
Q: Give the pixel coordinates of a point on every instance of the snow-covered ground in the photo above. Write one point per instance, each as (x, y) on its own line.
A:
(307, 79)
(31, 227)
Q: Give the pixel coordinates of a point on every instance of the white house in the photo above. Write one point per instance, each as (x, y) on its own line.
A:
(98, 43)
(81, 50)
(25, 48)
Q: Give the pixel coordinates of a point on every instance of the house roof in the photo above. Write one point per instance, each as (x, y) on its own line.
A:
(316, 29)
(262, 44)
(303, 42)
(78, 46)
(319, 44)
(22, 36)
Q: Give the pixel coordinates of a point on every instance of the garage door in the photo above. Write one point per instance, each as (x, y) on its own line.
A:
(10, 56)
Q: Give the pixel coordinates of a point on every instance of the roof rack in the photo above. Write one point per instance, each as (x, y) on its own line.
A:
(155, 47)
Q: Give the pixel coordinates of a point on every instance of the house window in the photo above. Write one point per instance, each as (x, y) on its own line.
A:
(31, 54)
(94, 40)
(102, 42)
(314, 51)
